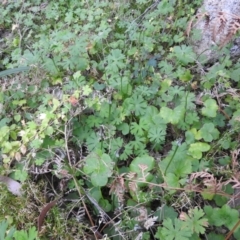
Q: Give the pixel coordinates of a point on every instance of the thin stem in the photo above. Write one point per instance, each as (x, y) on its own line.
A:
(171, 159)
(231, 232)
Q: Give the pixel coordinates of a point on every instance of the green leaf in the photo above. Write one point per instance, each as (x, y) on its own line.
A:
(91, 164)
(172, 116)
(142, 165)
(99, 179)
(86, 90)
(195, 221)
(137, 104)
(157, 134)
(13, 71)
(165, 212)
(165, 84)
(143, 160)
(136, 129)
(235, 75)
(210, 109)
(214, 236)
(21, 175)
(208, 193)
(172, 180)
(196, 149)
(4, 233)
(173, 230)
(197, 134)
(177, 161)
(17, 117)
(115, 60)
(209, 132)
(31, 234)
(222, 216)
(92, 141)
(186, 77)
(189, 137)
(124, 127)
(184, 54)
(100, 167)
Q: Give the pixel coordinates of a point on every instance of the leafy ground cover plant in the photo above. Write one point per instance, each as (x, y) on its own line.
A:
(117, 122)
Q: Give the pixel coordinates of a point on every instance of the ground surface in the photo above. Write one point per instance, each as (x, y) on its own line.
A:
(113, 125)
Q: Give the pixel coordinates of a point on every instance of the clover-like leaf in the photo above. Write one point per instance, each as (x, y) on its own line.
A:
(210, 108)
(196, 149)
(209, 132)
(142, 165)
(172, 115)
(100, 167)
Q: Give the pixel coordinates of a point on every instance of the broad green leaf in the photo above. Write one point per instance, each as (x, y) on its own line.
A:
(209, 132)
(184, 54)
(177, 161)
(92, 141)
(189, 137)
(55, 103)
(100, 167)
(165, 84)
(208, 193)
(225, 216)
(86, 90)
(210, 108)
(124, 127)
(157, 134)
(195, 221)
(91, 163)
(17, 117)
(172, 180)
(142, 165)
(214, 236)
(196, 133)
(186, 77)
(173, 230)
(235, 75)
(196, 149)
(172, 115)
(99, 179)
(49, 130)
(136, 129)
(144, 160)
(166, 212)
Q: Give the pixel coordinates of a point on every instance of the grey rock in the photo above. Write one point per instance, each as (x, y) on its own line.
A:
(217, 22)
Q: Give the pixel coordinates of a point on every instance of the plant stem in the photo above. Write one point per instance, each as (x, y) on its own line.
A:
(171, 159)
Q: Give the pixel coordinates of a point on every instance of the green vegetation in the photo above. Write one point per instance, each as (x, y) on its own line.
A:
(105, 106)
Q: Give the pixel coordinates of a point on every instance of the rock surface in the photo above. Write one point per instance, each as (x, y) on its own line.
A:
(217, 21)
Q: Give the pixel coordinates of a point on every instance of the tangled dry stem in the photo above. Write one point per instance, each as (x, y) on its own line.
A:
(221, 25)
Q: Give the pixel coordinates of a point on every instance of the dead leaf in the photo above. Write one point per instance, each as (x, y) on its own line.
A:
(18, 156)
(13, 186)
(23, 149)
(73, 101)
(150, 222)
(44, 213)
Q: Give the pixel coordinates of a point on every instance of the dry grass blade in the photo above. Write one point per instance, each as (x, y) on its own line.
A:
(44, 213)
(118, 187)
(199, 17)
